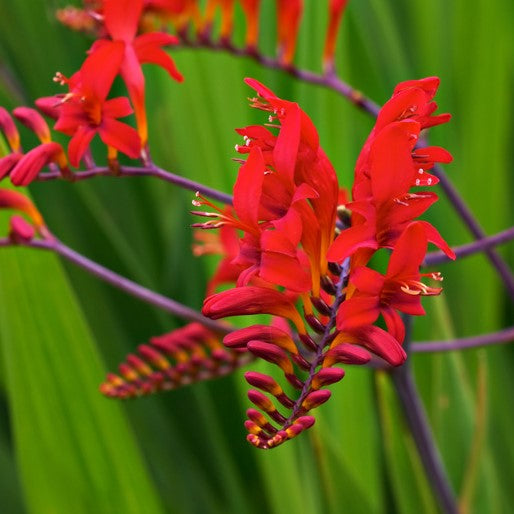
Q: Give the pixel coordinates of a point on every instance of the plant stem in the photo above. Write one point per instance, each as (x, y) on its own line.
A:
(480, 245)
(130, 287)
(500, 337)
(419, 427)
(150, 170)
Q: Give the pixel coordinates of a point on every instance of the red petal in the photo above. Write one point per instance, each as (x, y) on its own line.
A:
(100, 68)
(408, 253)
(434, 237)
(394, 323)
(148, 50)
(122, 17)
(117, 108)
(350, 240)
(261, 89)
(79, 143)
(357, 312)
(248, 188)
(391, 162)
(380, 343)
(288, 141)
(120, 136)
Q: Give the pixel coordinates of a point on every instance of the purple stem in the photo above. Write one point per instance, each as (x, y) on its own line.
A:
(475, 229)
(500, 337)
(471, 248)
(416, 418)
(130, 287)
(328, 80)
(149, 170)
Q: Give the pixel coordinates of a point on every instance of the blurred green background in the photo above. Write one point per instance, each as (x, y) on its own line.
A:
(64, 448)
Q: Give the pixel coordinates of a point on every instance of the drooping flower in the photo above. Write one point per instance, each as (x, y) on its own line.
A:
(400, 289)
(85, 111)
(383, 205)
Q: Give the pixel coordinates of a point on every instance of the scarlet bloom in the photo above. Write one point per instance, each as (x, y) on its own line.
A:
(383, 205)
(400, 289)
(85, 111)
(121, 18)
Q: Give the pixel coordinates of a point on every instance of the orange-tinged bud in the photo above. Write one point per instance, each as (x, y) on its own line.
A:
(14, 200)
(289, 14)
(336, 10)
(20, 230)
(8, 127)
(251, 11)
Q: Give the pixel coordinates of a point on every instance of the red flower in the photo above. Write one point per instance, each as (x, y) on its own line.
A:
(296, 156)
(121, 19)
(399, 289)
(381, 217)
(86, 112)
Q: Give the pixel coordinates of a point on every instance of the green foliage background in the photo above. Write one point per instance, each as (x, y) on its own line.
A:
(64, 448)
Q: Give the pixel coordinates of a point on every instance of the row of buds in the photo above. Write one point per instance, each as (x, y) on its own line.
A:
(23, 168)
(183, 14)
(183, 356)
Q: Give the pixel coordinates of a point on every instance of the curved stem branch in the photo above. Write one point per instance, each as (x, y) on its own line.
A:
(149, 170)
(130, 287)
(480, 245)
(500, 337)
(416, 418)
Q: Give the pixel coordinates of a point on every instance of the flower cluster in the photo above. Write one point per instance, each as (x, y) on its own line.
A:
(85, 109)
(188, 16)
(302, 256)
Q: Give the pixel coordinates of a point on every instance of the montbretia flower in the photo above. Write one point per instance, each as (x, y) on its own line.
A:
(400, 289)
(296, 157)
(121, 18)
(85, 111)
(267, 208)
(384, 206)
